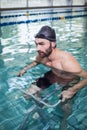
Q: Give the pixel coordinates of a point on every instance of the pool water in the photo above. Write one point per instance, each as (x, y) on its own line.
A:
(17, 49)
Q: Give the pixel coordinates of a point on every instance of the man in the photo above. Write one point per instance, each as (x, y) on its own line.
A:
(65, 69)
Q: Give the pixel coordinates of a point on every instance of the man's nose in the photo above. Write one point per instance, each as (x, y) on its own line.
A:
(38, 48)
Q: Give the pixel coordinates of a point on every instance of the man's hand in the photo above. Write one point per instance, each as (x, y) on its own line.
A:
(66, 94)
(21, 73)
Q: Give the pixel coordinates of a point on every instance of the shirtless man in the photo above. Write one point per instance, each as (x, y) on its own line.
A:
(65, 69)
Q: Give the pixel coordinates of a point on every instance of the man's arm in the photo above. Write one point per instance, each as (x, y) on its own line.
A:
(24, 70)
(82, 83)
(67, 94)
(70, 64)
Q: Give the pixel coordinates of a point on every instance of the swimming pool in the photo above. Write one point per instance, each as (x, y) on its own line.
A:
(17, 49)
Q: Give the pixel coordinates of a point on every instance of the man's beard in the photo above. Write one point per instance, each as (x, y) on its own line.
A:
(46, 53)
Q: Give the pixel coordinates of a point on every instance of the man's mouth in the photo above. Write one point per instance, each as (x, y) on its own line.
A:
(41, 53)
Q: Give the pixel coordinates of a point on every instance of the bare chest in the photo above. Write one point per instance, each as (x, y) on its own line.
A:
(59, 71)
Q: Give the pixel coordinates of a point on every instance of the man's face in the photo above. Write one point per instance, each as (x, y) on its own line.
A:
(44, 47)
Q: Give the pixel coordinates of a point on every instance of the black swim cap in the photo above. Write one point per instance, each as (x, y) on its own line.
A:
(46, 32)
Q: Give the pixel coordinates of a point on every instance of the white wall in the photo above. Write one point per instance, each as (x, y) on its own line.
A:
(59, 2)
(13, 3)
(78, 2)
(35, 3)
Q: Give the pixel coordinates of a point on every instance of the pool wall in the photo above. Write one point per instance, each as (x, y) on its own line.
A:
(33, 3)
(48, 15)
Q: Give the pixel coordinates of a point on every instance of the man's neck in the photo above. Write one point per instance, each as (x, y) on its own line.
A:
(51, 56)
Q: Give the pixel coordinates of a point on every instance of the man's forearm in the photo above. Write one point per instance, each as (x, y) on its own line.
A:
(78, 86)
(30, 65)
(24, 70)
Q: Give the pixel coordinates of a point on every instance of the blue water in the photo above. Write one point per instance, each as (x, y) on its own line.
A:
(17, 49)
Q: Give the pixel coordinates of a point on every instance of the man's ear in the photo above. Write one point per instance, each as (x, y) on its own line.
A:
(53, 44)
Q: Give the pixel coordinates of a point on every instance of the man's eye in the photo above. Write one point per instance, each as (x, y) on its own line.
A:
(41, 44)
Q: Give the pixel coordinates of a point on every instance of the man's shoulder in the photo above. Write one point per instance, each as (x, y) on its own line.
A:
(66, 55)
(62, 54)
